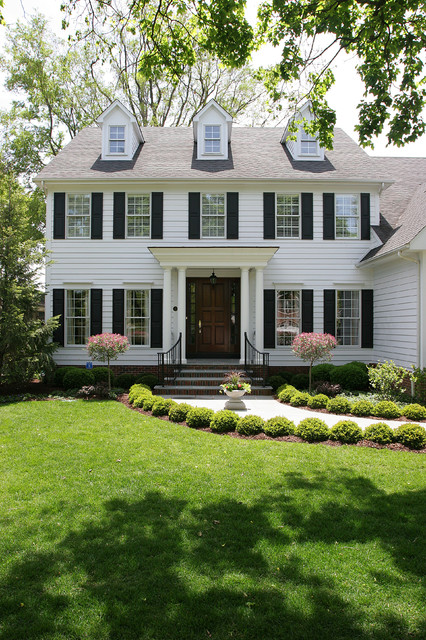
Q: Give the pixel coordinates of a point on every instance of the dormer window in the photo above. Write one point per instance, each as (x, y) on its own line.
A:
(300, 144)
(212, 138)
(308, 144)
(117, 139)
(212, 132)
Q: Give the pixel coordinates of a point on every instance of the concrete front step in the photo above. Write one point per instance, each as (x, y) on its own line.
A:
(196, 390)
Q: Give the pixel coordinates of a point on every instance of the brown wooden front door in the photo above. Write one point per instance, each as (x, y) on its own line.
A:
(213, 317)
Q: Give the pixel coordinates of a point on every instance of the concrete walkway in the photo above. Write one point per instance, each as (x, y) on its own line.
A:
(268, 407)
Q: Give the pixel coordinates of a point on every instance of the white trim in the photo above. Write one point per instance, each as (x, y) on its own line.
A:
(221, 257)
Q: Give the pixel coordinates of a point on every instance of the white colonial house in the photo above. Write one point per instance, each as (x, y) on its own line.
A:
(216, 232)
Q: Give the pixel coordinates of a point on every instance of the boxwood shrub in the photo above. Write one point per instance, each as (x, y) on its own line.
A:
(136, 390)
(339, 404)
(199, 417)
(411, 435)
(387, 409)
(379, 432)
(76, 378)
(286, 394)
(139, 399)
(224, 421)
(275, 382)
(414, 412)
(362, 408)
(161, 407)
(361, 365)
(279, 426)
(179, 411)
(58, 376)
(147, 378)
(300, 381)
(350, 377)
(346, 431)
(147, 402)
(312, 430)
(281, 388)
(300, 399)
(319, 401)
(250, 425)
(101, 375)
(125, 380)
(287, 375)
(322, 371)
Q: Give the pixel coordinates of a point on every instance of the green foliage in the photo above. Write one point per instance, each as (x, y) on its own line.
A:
(101, 374)
(250, 425)
(281, 388)
(279, 426)
(275, 382)
(179, 411)
(138, 390)
(287, 393)
(139, 399)
(328, 389)
(379, 432)
(300, 381)
(147, 378)
(349, 376)
(147, 402)
(361, 365)
(312, 430)
(387, 379)
(199, 417)
(387, 409)
(58, 377)
(125, 380)
(346, 431)
(319, 401)
(418, 375)
(300, 399)
(414, 412)
(411, 435)
(322, 371)
(160, 407)
(76, 378)
(339, 404)
(224, 421)
(286, 375)
(362, 408)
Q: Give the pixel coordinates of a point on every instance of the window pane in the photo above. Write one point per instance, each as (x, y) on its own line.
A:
(348, 317)
(213, 215)
(138, 216)
(78, 216)
(288, 215)
(212, 139)
(137, 316)
(116, 139)
(77, 316)
(347, 216)
(288, 316)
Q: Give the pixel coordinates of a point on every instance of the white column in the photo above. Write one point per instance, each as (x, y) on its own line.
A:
(167, 309)
(259, 309)
(181, 328)
(244, 311)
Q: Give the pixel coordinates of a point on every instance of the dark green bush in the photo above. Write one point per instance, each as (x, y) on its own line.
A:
(286, 394)
(250, 425)
(275, 382)
(178, 412)
(362, 408)
(350, 377)
(379, 432)
(287, 375)
(224, 421)
(411, 435)
(147, 378)
(322, 371)
(147, 402)
(58, 376)
(387, 409)
(278, 426)
(199, 417)
(77, 378)
(339, 404)
(319, 401)
(300, 381)
(312, 430)
(101, 375)
(346, 431)
(300, 399)
(414, 412)
(125, 380)
(361, 365)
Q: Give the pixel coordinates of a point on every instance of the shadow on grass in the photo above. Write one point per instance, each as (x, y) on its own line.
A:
(156, 569)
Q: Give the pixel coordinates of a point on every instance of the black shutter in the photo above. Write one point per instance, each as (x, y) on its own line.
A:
(97, 215)
(59, 216)
(232, 216)
(269, 318)
(194, 215)
(59, 310)
(328, 216)
(269, 216)
(119, 223)
(307, 216)
(118, 311)
(157, 216)
(367, 319)
(307, 310)
(365, 216)
(157, 318)
(330, 311)
(95, 312)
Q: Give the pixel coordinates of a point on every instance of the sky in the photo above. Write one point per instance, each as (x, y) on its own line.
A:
(343, 97)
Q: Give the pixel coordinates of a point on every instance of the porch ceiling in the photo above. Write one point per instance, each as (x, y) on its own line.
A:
(220, 257)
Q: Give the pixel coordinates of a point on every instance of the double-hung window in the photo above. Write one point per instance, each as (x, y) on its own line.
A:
(138, 216)
(77, 316)
(78, 215)
(288, 316)
(212, 138)
(348, 317)
(213, 215)
(347, 215)
(288, 215)
(117, 138)
(137, 316)
(308, 144)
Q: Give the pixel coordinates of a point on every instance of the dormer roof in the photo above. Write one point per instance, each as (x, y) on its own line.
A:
(212, 127)
(304, 147)
(121, 134)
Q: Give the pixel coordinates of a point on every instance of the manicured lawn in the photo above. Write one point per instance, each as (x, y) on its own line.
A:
(117, 526)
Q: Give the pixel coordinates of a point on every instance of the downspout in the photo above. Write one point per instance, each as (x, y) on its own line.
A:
(419, 324)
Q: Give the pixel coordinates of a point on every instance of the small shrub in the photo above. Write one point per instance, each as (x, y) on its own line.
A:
(178, 412)
(350, 377)
(275, 382)
(339, 404)
(147, 378)
(312, 430)
(224, 421)
(77, 378)
(411, 435)
(328, 389)
(300, 381)
(279, 426)
(387, 379)
(379, 432)
(300, 399)
(161, 407)
(125, 380)
(101, 374)
(387, 409)
(140, 399)
(286, 394)
(322, 371)
(99, 390)
(147, 402)
(414, 412)
(250, 425)
(281, 388)
(58, 376)
(346, 431)
(361, 365)
(199, 417)
(286, 375)
(319, 401)
(138, 390)
(362, 408)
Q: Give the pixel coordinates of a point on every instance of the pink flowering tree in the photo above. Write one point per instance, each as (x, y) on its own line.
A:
(312, 347)
(106, 347)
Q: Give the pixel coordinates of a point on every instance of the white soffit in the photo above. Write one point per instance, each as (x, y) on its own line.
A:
(209, 257)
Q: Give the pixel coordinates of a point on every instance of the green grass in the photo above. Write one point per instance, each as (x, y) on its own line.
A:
(118, 526)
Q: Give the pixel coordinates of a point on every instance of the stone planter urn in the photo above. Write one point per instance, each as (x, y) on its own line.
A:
(235, 403)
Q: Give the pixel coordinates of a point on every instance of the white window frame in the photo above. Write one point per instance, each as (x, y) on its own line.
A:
(70, 317)
(212, 139)
(71, 216)
(217, 216)
(133, 216)
(278, 229)
(356, 217)
(287, 335)
(128, 318)
(309, 140)
(113, 140)
(350, 318)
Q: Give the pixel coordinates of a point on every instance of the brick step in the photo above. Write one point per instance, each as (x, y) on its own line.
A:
(196, 390)
(200, 382)
(204, 373)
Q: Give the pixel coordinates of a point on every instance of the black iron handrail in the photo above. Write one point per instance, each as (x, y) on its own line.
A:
(170, 362)
(256, 363)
